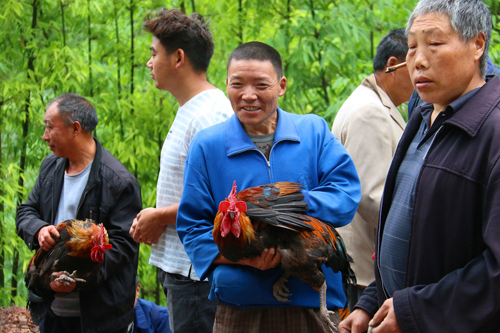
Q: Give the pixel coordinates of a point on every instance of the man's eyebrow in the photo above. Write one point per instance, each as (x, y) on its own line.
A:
(426, 31)
(152, 48)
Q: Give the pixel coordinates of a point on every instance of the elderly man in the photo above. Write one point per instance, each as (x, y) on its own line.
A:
(262, 144)
(181, 50)
(83, 180)
(369, 126)
(437, 258)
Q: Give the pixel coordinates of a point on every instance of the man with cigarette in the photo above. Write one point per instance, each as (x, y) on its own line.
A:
(437, 258)
(369, 126)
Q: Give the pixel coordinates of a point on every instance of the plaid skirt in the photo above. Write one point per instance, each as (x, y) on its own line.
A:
(270, 320)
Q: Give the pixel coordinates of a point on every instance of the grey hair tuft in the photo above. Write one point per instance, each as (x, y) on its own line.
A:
(74, 107)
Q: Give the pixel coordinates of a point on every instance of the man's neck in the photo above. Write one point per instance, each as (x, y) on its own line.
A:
(383, 84)
(190, 86)
(82, 155)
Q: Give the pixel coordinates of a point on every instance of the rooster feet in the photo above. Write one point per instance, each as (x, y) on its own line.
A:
(280, 291)
(325, 313)
(65, 278)
(63, 282)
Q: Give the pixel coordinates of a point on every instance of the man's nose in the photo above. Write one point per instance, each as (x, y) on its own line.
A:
(45, 136)
(149, 64)
(249, 93)
(421, 60)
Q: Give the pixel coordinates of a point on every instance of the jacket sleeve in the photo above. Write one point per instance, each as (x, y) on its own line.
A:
(196, 212)
(369, 300)
(367, 137)
(28, 218)
(125, 207)
(337, 195)
(466, 298)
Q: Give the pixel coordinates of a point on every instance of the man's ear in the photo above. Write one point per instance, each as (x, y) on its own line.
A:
(282, 84)
(180, 58)
(77, 128)
(479, 44)
(392, 61)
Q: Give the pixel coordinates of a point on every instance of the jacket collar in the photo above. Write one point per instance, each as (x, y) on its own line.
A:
(474, 113)
(237, 140)
(371, 83)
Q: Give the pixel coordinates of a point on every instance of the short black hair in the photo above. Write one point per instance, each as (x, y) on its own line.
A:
(394, 44)
(73, 107)
(258, 51)
(176, 30)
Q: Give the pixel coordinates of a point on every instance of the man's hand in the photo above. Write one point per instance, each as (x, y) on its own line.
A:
(357, 322)
(385, 319)
(45, 239)
(150, 223)
(63, 282)
(268, 259)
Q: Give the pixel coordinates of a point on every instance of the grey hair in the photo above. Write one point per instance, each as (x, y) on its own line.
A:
(74, 107)
(467, 17)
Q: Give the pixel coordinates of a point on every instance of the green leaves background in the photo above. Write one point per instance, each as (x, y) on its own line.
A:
(97, 48)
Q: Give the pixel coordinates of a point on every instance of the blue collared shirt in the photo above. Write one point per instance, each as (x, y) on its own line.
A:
(396, 235)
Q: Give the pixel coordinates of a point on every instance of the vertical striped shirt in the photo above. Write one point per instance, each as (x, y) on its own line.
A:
(204, 110)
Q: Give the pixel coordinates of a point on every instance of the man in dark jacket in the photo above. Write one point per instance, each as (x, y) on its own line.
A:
(437, 263)
(83, 180)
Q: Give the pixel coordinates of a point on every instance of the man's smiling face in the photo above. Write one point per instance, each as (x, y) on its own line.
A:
(253, 87)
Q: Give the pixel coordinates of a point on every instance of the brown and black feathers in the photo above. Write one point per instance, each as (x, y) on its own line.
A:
(305, 243)
(80, 247)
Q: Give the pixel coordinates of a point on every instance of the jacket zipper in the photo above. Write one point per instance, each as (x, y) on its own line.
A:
(83, 200)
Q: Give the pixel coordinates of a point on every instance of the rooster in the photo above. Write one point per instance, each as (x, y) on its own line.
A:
(269, 216)
(80, 249)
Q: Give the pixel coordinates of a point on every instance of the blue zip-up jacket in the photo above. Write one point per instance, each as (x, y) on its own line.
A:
(303, 151)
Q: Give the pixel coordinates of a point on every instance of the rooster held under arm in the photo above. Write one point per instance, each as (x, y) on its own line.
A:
(80, 249)
(269, 216)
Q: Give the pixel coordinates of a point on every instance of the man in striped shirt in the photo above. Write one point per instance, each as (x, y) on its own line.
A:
(178, 65)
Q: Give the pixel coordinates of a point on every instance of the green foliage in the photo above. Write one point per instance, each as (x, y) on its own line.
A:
(85, 46)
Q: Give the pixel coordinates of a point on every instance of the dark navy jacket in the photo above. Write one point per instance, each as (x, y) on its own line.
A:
(453, 273)
(112, 196)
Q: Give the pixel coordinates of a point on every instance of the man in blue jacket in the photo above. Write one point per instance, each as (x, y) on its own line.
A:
(262, 144)
(437, 261)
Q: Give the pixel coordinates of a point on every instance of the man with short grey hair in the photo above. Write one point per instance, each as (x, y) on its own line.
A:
(437, 258)
(82, 180)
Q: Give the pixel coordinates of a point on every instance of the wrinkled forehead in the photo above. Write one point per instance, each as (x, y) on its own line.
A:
(52, 114)
(251, 69)
(431, 23)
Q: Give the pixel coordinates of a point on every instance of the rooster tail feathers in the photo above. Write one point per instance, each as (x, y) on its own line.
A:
(38, 307)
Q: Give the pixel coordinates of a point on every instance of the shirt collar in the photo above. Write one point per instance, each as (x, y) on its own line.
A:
(237, 140)
(426, 109)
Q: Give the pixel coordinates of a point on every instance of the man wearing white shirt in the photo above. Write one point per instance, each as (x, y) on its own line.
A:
(178, 65)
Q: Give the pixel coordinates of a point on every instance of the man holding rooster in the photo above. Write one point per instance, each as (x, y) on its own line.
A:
(83, 180)
(263, 144)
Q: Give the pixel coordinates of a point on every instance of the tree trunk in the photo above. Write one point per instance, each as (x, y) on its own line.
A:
(90, 51)
(2, 213)
(132, 55)
(240, 21)
(62, 20)
(324, 82)
(118, 67)
(22, 165)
